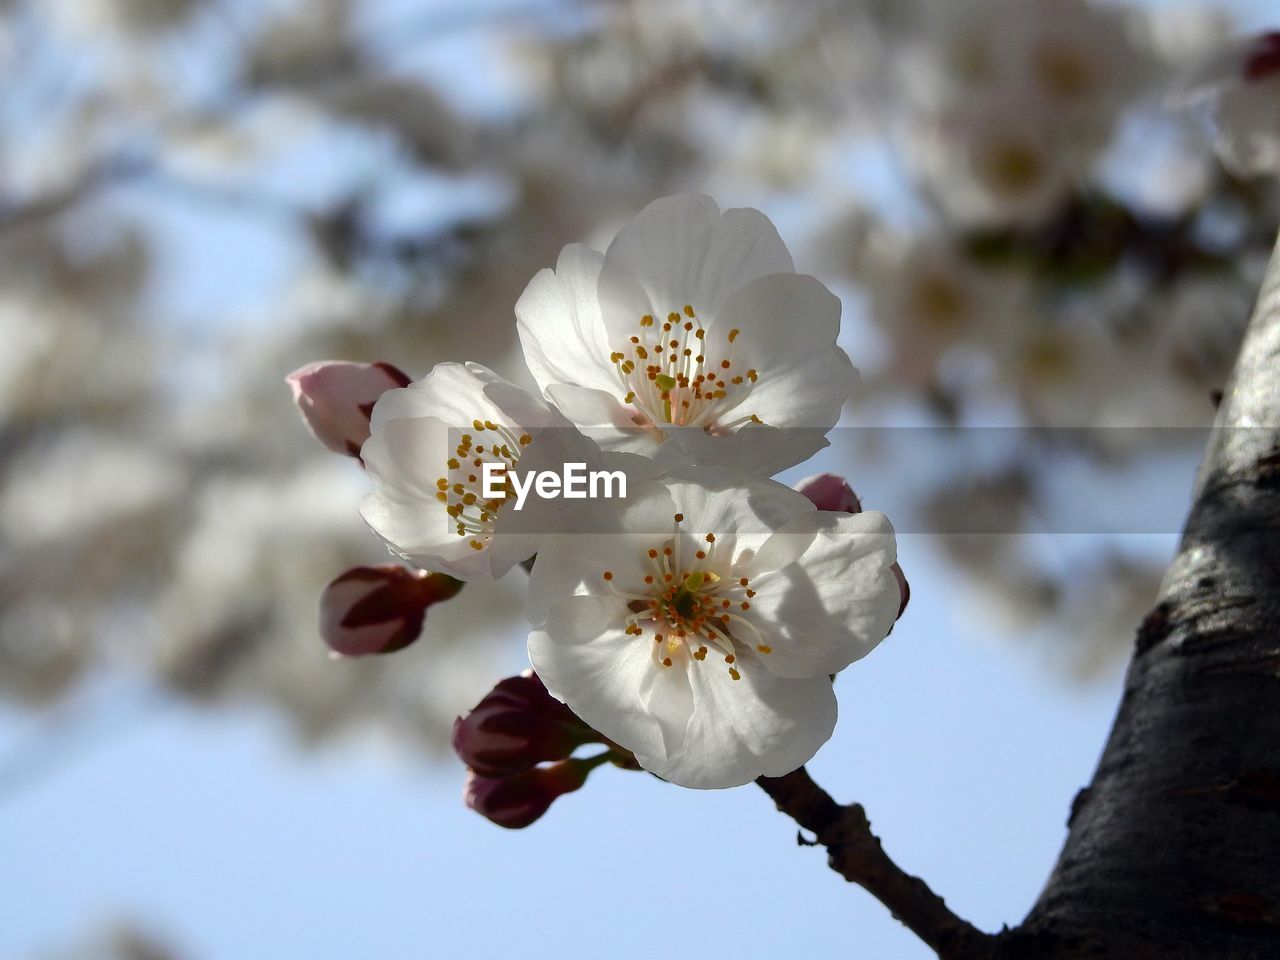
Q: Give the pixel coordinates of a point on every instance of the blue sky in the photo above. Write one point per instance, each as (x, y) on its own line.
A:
(213, 830)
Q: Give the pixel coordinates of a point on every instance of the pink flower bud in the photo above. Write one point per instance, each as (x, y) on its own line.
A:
(904, 588)
(517, 726)
(830, 492)
(336, 399)
(515, 802)
(379, 609)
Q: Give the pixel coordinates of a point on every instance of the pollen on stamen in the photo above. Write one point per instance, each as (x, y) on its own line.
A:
(700, 653)
(688, 310)
(765, 648)
(735, 674)
(711, 538)
(679, 518)
(701, 554)
(653, 554)
(666, 661)
(608, 575)
(733, 334)
(729, 658)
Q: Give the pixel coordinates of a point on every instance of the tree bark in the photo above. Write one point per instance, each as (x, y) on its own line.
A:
(1174, 848)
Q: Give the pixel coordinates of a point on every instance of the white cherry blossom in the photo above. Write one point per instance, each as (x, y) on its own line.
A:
(701, 632)
(692, 339)
(426, 455)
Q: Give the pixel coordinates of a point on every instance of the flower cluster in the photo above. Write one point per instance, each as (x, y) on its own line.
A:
(694, 623)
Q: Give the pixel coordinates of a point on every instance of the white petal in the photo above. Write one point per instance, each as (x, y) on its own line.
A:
(558, 320)
(680, 251)
(743, 512)
(608, 677)
(788, 325)
(832, 604)
(759, 725)
(757, 450)
(604, 419)
(403, 458)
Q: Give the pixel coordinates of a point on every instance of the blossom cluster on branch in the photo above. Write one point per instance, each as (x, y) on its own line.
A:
(693, 623)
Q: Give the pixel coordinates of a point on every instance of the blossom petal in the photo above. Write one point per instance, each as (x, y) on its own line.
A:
(608, 677)
(403, 457)
(720, 502)
(758, 725)
(680, 250)
(561, 331)
(788, 325)
(604, 419)
(575, 563)
(835, 601)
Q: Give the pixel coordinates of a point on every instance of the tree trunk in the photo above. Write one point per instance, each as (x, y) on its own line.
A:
(1174, 849)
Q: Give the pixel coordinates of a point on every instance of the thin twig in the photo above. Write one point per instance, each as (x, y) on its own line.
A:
(855, 853)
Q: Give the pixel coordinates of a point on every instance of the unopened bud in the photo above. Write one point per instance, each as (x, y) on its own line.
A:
(379, 609)
(518, 800)
(830, 492)
(517, 726)
(336, 399)
(904, 588)
(1262, 58)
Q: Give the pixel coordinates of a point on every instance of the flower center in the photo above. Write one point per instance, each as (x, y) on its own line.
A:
(461, 490)
(690, 608)
(670, 375)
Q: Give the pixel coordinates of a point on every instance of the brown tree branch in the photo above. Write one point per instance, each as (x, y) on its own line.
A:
(855, 853)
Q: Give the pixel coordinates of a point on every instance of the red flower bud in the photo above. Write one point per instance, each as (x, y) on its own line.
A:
(1263, 59)
(904, 588)
(379, 609)
(336, 400)
(517, 801)
(830, 492)
(517, 726)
